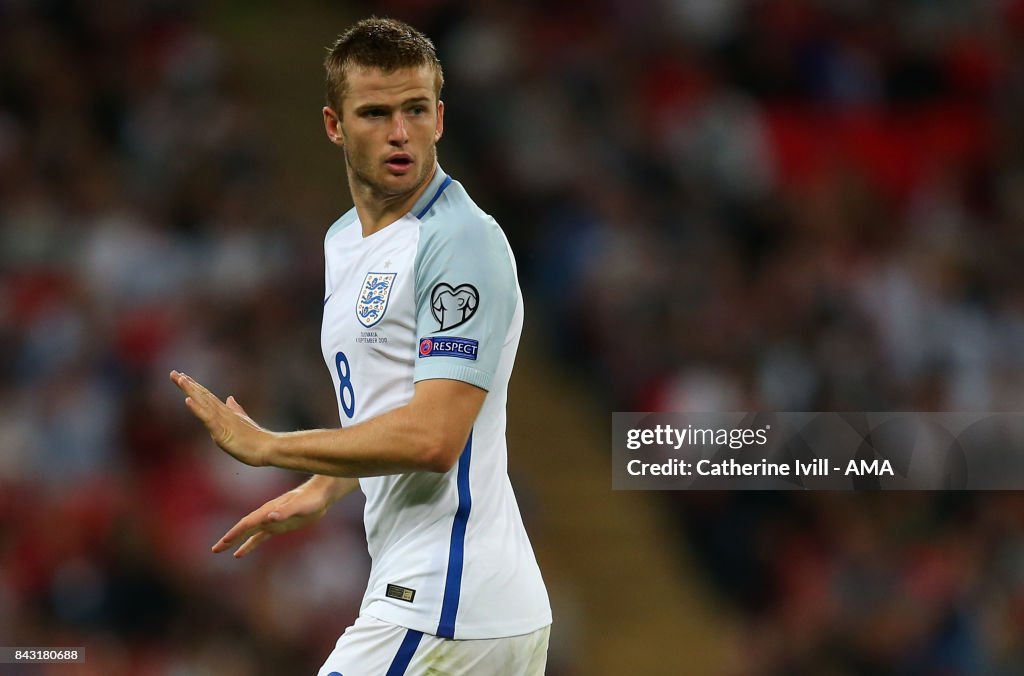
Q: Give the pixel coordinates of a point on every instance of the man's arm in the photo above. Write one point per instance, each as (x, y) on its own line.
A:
(427, 434)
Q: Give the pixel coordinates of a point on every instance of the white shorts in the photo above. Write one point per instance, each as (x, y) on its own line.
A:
(372, 647)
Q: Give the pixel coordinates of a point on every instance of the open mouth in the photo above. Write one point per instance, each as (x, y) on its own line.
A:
(399, 162)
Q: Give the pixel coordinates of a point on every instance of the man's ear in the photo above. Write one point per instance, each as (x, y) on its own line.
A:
(332, 125)
(439, 130)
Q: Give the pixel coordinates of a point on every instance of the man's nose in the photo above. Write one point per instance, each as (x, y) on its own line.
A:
(398, 132)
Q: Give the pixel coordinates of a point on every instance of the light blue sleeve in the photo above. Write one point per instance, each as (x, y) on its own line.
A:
(466, 293)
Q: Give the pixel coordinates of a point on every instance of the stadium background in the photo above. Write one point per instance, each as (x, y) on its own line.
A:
(715, 204)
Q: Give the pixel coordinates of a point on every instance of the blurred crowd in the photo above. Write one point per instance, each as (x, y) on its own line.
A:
(716, 205)
(792, 206)
(137, 234)
(779, 205)
(865, 584)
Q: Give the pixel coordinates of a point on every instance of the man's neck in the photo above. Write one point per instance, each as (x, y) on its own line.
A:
(376, 212)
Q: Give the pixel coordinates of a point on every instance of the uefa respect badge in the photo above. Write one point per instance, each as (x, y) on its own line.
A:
(446, 346)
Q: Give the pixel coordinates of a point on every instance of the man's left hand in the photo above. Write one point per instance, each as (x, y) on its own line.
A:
(226, 421)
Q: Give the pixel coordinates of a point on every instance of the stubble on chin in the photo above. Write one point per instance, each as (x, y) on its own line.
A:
(364, 180)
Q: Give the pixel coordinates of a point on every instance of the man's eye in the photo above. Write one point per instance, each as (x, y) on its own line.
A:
(418, 110)
(374, 112)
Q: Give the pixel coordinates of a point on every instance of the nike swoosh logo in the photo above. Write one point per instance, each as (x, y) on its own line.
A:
(328, 298)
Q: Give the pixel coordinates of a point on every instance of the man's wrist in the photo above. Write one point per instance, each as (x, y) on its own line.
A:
(270, 452)
(329, 488)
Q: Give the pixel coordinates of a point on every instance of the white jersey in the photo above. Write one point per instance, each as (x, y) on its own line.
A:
(435, 295)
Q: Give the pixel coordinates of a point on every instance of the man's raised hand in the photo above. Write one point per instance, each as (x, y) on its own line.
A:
(227, 422)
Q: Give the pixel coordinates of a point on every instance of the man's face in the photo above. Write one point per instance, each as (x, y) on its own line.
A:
(389, 125)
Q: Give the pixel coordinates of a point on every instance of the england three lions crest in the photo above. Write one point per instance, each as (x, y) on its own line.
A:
(373, 299)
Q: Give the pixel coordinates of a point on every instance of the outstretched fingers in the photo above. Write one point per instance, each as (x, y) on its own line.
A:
(253, 529)
(251, 544)
(244, 528)
(197, 397)
(192, 388)
(220, 418)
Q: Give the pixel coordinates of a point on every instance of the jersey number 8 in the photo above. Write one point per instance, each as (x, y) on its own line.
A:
(346, 394)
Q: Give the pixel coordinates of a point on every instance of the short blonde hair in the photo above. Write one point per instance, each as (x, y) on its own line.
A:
(387, 44)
